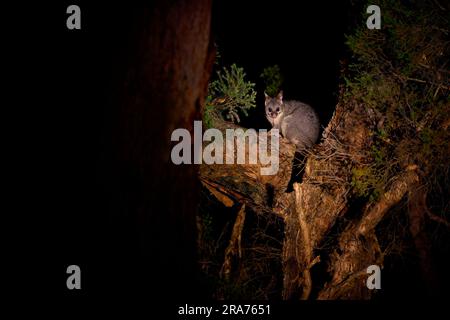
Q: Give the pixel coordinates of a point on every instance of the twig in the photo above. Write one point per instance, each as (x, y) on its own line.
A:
(234, 247)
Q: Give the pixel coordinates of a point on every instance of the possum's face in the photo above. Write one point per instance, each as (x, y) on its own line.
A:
(274, 106)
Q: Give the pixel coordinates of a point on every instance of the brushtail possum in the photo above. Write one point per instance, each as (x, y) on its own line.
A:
(297, 121)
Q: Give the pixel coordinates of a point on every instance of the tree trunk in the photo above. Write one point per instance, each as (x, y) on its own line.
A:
(164, 89)
(417, 209)
(311, 211)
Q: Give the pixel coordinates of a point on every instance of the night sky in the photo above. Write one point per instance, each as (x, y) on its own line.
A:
(306, 39)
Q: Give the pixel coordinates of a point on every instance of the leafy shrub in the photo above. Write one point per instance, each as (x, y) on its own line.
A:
(397, 72)
(229, 95)
(272, 80)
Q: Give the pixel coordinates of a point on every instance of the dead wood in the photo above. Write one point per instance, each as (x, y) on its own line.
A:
(358, 245)
(234, 247)
(316, 204)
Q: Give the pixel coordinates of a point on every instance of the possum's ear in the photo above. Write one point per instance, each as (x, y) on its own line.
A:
(266, 97)
(280, 96)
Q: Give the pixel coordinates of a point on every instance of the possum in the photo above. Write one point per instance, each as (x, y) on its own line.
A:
(297, 121)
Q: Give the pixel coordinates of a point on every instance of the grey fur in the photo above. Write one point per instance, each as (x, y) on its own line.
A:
(297, 121)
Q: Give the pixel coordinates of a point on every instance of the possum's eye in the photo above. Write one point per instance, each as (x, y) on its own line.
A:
(270, 109)
(278, 110)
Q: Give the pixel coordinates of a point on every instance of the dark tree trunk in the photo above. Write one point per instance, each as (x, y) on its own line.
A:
(153, 201)
(417, 218)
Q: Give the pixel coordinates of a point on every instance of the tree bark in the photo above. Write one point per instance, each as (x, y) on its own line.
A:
(358, 246)
(243, 183)
(317, 203)
(163, 89)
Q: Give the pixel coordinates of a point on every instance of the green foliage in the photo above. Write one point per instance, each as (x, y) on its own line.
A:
(366, 183)
(398, 74)
(228, 95)
(272, 80)
(208, 116)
